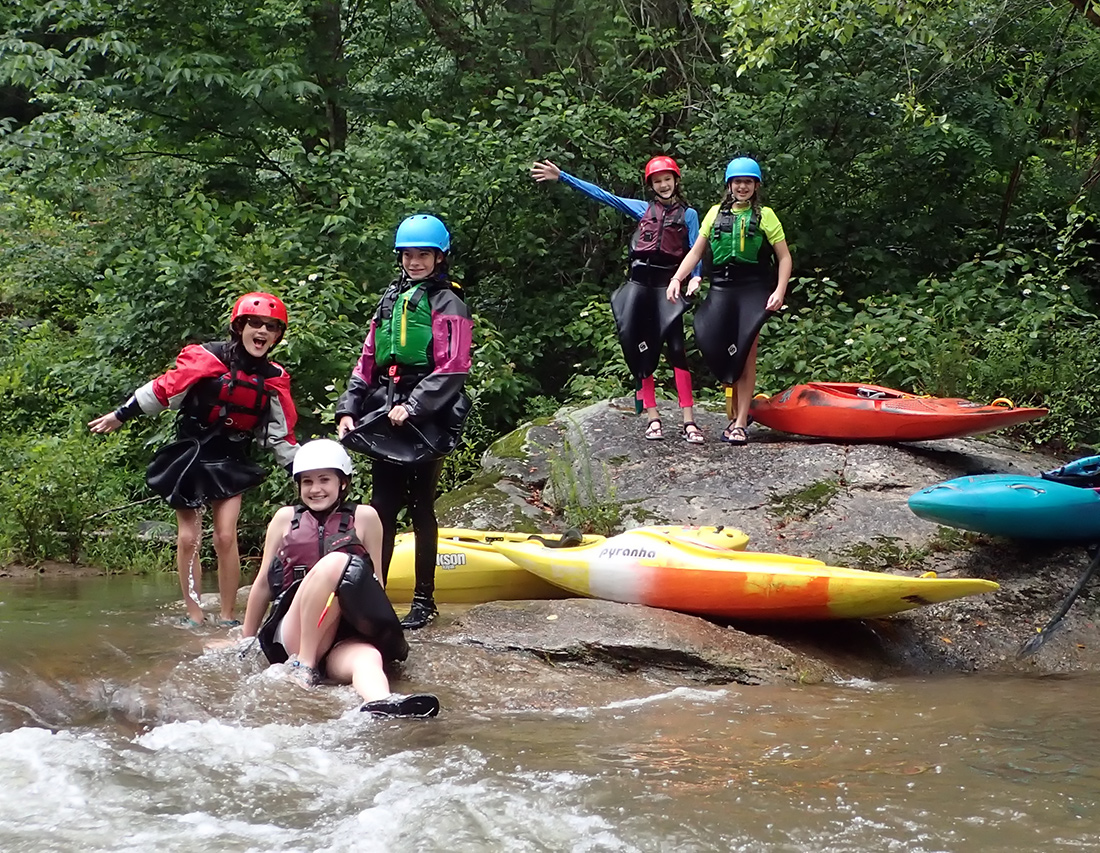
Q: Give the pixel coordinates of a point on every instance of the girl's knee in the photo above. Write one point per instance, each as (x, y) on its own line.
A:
(187, 538)
(327, 570)
(370, 656)
(225, 540)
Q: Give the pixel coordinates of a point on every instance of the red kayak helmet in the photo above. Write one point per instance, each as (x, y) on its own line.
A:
(661, 163)
(259, 305)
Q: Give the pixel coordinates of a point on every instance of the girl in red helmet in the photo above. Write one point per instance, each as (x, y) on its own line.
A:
(227, 393)
(645, 319)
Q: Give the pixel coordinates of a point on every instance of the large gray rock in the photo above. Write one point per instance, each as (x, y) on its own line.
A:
(579, 652)
(630, 637)
(845, 504)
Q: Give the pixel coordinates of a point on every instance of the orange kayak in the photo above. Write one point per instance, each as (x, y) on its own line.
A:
(855, 412)
(644, 567)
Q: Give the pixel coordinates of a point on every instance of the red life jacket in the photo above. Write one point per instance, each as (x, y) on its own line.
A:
(662, 235)
(238, 400)
(308, 540)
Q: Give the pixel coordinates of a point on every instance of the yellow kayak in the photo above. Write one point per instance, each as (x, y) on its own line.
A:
(469, 570)
(640, 567)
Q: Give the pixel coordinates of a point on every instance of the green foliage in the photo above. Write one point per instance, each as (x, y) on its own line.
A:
(804, 502)
(51, 491)
(583, 490)
(885, 554)
(1010, 324)
(934, 167)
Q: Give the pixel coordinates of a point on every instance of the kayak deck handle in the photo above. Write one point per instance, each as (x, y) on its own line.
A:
(1003, 401)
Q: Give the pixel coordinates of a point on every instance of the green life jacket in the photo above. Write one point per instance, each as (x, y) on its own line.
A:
(403, 334)
(735, 238)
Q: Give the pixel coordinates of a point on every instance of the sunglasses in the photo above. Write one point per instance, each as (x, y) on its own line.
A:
(258, 323)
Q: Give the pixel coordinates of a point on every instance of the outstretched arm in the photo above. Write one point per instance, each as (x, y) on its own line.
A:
(547, 171)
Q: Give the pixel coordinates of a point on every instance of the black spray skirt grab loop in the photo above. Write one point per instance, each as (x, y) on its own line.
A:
(415, 441)
(727, 325)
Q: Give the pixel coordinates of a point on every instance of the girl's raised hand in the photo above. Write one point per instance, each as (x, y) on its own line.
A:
(105, 423)
(545, 171)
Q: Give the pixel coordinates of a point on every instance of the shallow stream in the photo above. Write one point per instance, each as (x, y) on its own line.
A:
(119, 733)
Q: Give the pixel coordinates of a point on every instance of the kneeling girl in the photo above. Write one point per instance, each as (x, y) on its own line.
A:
(321, 572)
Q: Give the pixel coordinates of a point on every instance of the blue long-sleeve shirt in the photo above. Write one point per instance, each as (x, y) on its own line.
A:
(635, 208)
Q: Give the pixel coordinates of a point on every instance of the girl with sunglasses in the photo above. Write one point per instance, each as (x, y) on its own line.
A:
(228, 394)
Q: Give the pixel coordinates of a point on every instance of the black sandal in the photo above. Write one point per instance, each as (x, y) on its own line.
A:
(653, 432)
(691, 433)
(734, 434)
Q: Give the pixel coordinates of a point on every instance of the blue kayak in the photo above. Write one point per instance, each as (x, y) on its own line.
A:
(1019, 506)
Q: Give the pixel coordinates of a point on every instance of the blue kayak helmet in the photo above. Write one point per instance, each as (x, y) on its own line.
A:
(743, 167)
(422, 231)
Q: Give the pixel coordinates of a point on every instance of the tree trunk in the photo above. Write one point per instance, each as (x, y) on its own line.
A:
(327, 60)
(1089, 9)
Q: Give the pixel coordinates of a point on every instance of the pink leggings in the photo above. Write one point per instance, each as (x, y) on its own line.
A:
(683, 389)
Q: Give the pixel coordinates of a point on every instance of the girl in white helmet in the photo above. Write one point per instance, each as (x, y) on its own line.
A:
(321, 573)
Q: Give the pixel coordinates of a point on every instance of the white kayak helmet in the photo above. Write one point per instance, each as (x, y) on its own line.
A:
(322, 453)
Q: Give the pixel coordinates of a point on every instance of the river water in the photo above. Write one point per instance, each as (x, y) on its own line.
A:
(119, 733)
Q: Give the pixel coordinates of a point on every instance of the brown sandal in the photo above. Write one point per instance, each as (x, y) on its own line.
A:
(692, 433)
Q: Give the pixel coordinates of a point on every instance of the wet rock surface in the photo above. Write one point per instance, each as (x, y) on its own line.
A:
(616, 638)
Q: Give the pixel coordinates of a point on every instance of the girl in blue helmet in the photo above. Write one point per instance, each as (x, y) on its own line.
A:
(646, 321)
(404, 406)
(750, 270)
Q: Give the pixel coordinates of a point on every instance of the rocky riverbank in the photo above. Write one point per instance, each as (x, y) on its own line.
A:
(845, 504)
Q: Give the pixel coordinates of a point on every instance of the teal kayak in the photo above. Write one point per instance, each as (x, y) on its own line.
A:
(1015, 505)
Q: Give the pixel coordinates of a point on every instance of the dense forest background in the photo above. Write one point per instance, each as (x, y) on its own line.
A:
(936, 166)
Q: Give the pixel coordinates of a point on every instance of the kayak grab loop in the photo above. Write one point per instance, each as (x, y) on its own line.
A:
(1003, 401)
(762, 396)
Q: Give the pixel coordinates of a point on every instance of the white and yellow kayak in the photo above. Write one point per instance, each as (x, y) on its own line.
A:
(641, 567)
(469, 570)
